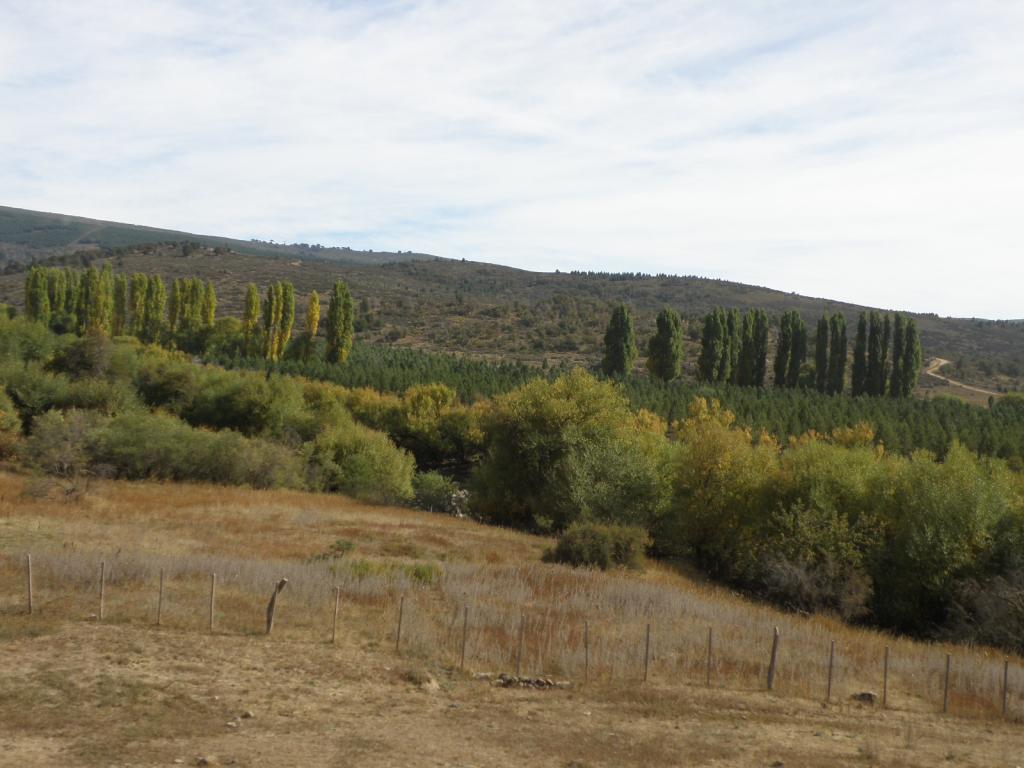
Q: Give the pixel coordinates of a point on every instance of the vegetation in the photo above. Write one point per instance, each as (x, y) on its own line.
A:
(600, 546)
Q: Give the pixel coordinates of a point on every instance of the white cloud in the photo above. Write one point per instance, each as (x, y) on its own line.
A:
(869, 152)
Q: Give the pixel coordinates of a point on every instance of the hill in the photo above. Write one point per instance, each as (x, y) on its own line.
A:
(83, 690)
(486, 310)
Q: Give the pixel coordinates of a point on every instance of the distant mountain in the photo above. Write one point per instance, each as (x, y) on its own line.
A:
(27, 235)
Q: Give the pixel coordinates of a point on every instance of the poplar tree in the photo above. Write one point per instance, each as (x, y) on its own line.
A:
(209, 311)
(896, 369)
(312, 326)
(271, 311)
(90, 303)
(712, 343)
(734, 334)
(783, 348)
(251, 318)
(821, 354)
(137, 301)
(885, 341)
(56, 289)
(175, 306)
(798, 349)
(748, 352)
(619, 343)
(859, 382)
(340, 324)
(875, 370)
(911, 358)
(760, 347)
(106, 298)
(665, 348)
(287, 319)
(837, 355)
(37, 299)
(119, 319)
(156, 305)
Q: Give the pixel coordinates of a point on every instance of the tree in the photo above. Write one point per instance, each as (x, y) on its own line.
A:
(712, 344)
(798, 349)
(287, 319)
(340, 324)
(251, 318)
(175, 306)
(748, 352)
(37, 299)
(665, 349)
(760, 347)
(910, 362)
(734, 341)
(783, 349)
(91, 305)
(209, 311)
(271, 317)
(312, 326)
(837, 355)
(119, 319)
(877, 350)
(860, 357)
(821, 355)
(156, 305)
(137, 301)
(619, 343)
(896, 370)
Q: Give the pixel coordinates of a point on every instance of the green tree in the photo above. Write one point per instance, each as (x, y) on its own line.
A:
(748, 352)
(340, 324)
(910, 362)
(619, 343)
(783, 349)
(896, 370)
(156, 306)
(271, 318)
(287, 320)
(37, 299)
(734, 339)
(312, 326)
(760, 347)
(137, 300)
(837, 354)
(712, 345)
(798, 349)
(251, 318)
(209, 312)
(665, 349)
(860, 357)
(821, 355)
(119, 319)
(175, 307)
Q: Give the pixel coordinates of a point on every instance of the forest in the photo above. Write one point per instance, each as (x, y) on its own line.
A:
(905, 514)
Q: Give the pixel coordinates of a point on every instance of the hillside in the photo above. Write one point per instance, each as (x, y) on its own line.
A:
(84, 691)
(482, 309)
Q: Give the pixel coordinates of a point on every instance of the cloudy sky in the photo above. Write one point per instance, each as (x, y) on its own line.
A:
(867, 151)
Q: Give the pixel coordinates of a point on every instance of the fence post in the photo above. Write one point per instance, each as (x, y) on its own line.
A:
(831, 663)
(945, 686)
(103, 585)
(28, 563)
(160, 601)
(465, 634)
(1006, 686)
(398, 632)
(647, 651)
(586, 651)
(774, 657)
(334, 626)
(272, 605)
(885, 679)
(707, 672)
(519, 649)
(213, 597)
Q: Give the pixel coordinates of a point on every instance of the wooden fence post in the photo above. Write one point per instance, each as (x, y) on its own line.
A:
(647, 651)
(465, 635)
(103, 585)
(945, 685)
(213, 597)
(1006, 686)
(28, 564)
(586, 651)
(272, 605)
(519, 649)
(831, 663)
(885, 679)
(398, 632)
(707, 671)
(334, 626)
(772, 661)
(160, 601)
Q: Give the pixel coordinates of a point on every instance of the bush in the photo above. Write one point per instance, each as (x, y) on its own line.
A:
(600, 546)
(61, 442)
(362, 463)
(437, 493)
(10, 426)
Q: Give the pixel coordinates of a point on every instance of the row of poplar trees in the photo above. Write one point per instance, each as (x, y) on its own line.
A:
(97, 301)
(734, 348)
(664, 351)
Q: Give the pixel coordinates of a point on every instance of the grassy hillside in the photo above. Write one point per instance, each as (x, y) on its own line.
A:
(158, 695)
(482, 309)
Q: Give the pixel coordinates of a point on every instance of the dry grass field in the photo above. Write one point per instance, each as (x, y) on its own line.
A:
(78, 691)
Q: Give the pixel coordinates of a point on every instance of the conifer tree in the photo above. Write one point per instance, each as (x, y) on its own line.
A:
(619, 343)
(911, 358)
(860, 357)
(118, 322)
(783, 349)
(312, 325)
(712, 342)
(665, 348)
(896, 369)
(837, 355)
(251, 318)
(821, 354)
(798, 349)
(340, 324)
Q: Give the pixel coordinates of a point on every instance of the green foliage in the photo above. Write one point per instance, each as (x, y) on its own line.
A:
(436, 493)
(821, 354)
(860, 357)
(340, 324)
(665, 348)
(362, 463)
(10, 426)
(837, 355)
(619, 343)
(568, 450)
(594, 545)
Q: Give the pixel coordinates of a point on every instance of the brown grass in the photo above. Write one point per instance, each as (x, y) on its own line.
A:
(439, 564)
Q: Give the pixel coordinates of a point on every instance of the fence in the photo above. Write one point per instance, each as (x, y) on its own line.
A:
(538, 620)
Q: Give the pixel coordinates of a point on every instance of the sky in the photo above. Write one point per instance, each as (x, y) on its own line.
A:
(871, 152)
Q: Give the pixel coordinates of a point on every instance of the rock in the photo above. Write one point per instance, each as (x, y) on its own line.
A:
(248, 715)
(207, 760)
(231, 724)
(865, 697)
(778, 764)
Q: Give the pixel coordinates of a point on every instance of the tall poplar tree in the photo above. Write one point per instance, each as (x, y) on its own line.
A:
(886, 339)
(798, 350)
(876, 364)
(156, 306)
(783, 349)
(287, 320)
(312, 325)
(734, 334)
(760, 347)
(821, 355)
(175, 306)
(665, 348)
(619, 343)
(859, 382)
(119, 319)
(748, 352)
(209, 310)
(37, 299)
(896, 369)
(251, 319)
(911, 358)
(837, 355)
(340, 324)
(712, 343)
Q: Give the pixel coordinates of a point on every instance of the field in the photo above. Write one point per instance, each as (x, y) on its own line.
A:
(122, 691)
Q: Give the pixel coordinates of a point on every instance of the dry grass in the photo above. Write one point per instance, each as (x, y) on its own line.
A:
(439, 565)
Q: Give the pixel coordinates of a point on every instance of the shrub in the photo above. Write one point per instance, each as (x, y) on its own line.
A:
(360, 462)
(61, 442)
(435, 492)
(600, 546)
(10, 426)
